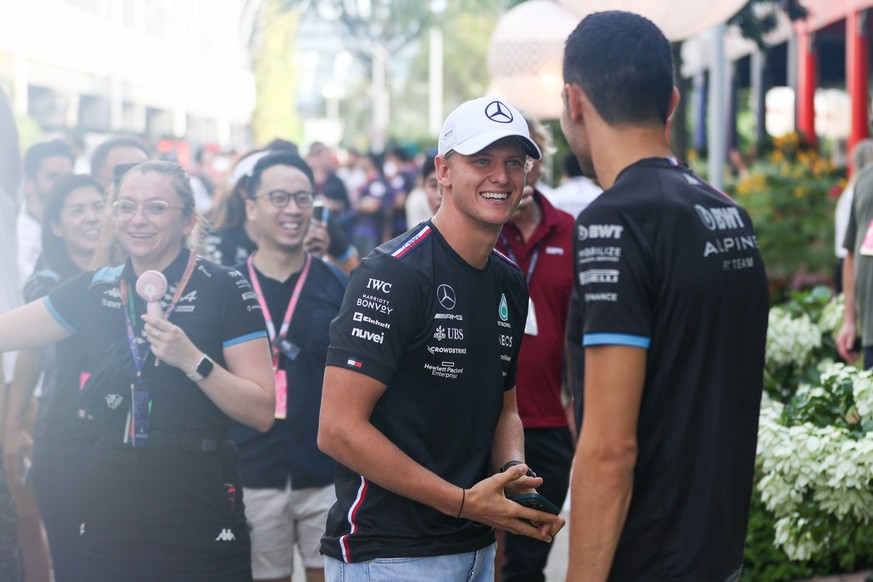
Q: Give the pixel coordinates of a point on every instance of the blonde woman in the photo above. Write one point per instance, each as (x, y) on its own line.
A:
(161, 499)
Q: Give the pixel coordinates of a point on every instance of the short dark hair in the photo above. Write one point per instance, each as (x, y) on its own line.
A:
(283, 145)
(98, 158)
(279, 158)
(428, 166)
(38, 153)
(623, 63)
(54, 249)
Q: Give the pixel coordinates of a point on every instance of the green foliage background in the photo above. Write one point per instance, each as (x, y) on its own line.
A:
(787, 194)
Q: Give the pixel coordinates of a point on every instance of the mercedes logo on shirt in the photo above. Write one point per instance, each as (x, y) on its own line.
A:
(446, 296)
(497, 111)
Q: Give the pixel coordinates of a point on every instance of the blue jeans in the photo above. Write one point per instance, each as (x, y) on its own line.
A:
(468, 567)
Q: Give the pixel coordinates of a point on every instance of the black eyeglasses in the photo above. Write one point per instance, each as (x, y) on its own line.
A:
(280, 198)
(152, 208)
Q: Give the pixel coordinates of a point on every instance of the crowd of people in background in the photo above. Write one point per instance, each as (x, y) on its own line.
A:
(359, 202)
(379, 359)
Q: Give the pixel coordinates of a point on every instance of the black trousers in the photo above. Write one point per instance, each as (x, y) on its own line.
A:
(58, 468)
(152, 515)
(549, 453)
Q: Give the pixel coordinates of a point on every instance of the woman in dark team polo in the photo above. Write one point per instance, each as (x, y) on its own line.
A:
(161, 499)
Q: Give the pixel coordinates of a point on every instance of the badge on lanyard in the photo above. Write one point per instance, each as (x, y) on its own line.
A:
(281, 379)
(530, 326)
(140, 413)
(138, 424)
(279, 342)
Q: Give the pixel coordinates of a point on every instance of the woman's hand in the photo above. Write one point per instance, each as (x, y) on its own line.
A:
(170, 344)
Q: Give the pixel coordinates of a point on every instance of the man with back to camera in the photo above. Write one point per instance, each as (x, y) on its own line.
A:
(288, 482)
(671, 315)
(418, 404)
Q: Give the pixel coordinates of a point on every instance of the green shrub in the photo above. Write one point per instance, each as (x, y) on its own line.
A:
(764, 562)
(787, 196)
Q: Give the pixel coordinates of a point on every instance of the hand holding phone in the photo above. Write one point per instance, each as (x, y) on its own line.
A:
(319, 212)
(535, 501)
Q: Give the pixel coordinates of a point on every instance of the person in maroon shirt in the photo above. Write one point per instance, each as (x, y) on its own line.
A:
(539, 238)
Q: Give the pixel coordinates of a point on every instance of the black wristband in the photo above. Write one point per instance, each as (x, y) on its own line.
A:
(513, 464)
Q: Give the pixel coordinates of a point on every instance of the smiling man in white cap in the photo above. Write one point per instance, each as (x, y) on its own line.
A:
(418, 404)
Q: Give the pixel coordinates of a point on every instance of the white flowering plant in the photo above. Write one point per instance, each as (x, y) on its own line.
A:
(815, 462)
(800, 335)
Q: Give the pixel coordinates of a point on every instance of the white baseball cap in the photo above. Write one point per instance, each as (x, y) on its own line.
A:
(476, 124)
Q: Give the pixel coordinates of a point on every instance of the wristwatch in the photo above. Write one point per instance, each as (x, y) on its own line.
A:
(203, 369)
(510, 464)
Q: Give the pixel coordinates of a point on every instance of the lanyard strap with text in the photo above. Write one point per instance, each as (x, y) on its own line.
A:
(127, 301)
(138, 429)
(533, 259)
(275, 338)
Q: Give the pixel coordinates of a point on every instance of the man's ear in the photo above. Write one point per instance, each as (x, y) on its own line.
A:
(250, 209)
(442, 171)
(573, 102)
(675, 97)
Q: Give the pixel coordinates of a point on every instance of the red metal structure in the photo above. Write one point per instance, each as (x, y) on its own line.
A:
(823, 13)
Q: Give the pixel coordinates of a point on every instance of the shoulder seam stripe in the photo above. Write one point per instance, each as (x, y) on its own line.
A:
(505, 258)
(412, 242)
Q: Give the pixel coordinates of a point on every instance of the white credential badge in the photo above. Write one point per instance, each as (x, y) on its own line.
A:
(530, 326)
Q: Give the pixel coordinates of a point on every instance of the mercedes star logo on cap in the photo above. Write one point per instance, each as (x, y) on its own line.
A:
(446, 296)
(497, 111)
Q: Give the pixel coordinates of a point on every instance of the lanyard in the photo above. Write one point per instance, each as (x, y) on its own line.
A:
(533, 259)
(289, 312)
(127, 302)
(138, 428)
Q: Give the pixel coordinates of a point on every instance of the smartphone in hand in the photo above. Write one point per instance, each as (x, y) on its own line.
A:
(319, 212)
(535, 501)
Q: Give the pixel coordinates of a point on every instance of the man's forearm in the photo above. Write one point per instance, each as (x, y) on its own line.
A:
(365, 450)
(601, 493)
(850, 315)
(508, 442)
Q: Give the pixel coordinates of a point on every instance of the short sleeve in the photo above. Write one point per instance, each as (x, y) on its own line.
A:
(242, 318)
(378, 318)
(40, 284)
(614, 278)
(65, 302)
(851, 231)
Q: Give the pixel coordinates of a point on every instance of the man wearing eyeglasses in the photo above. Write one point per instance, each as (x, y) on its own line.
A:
(288, 482)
